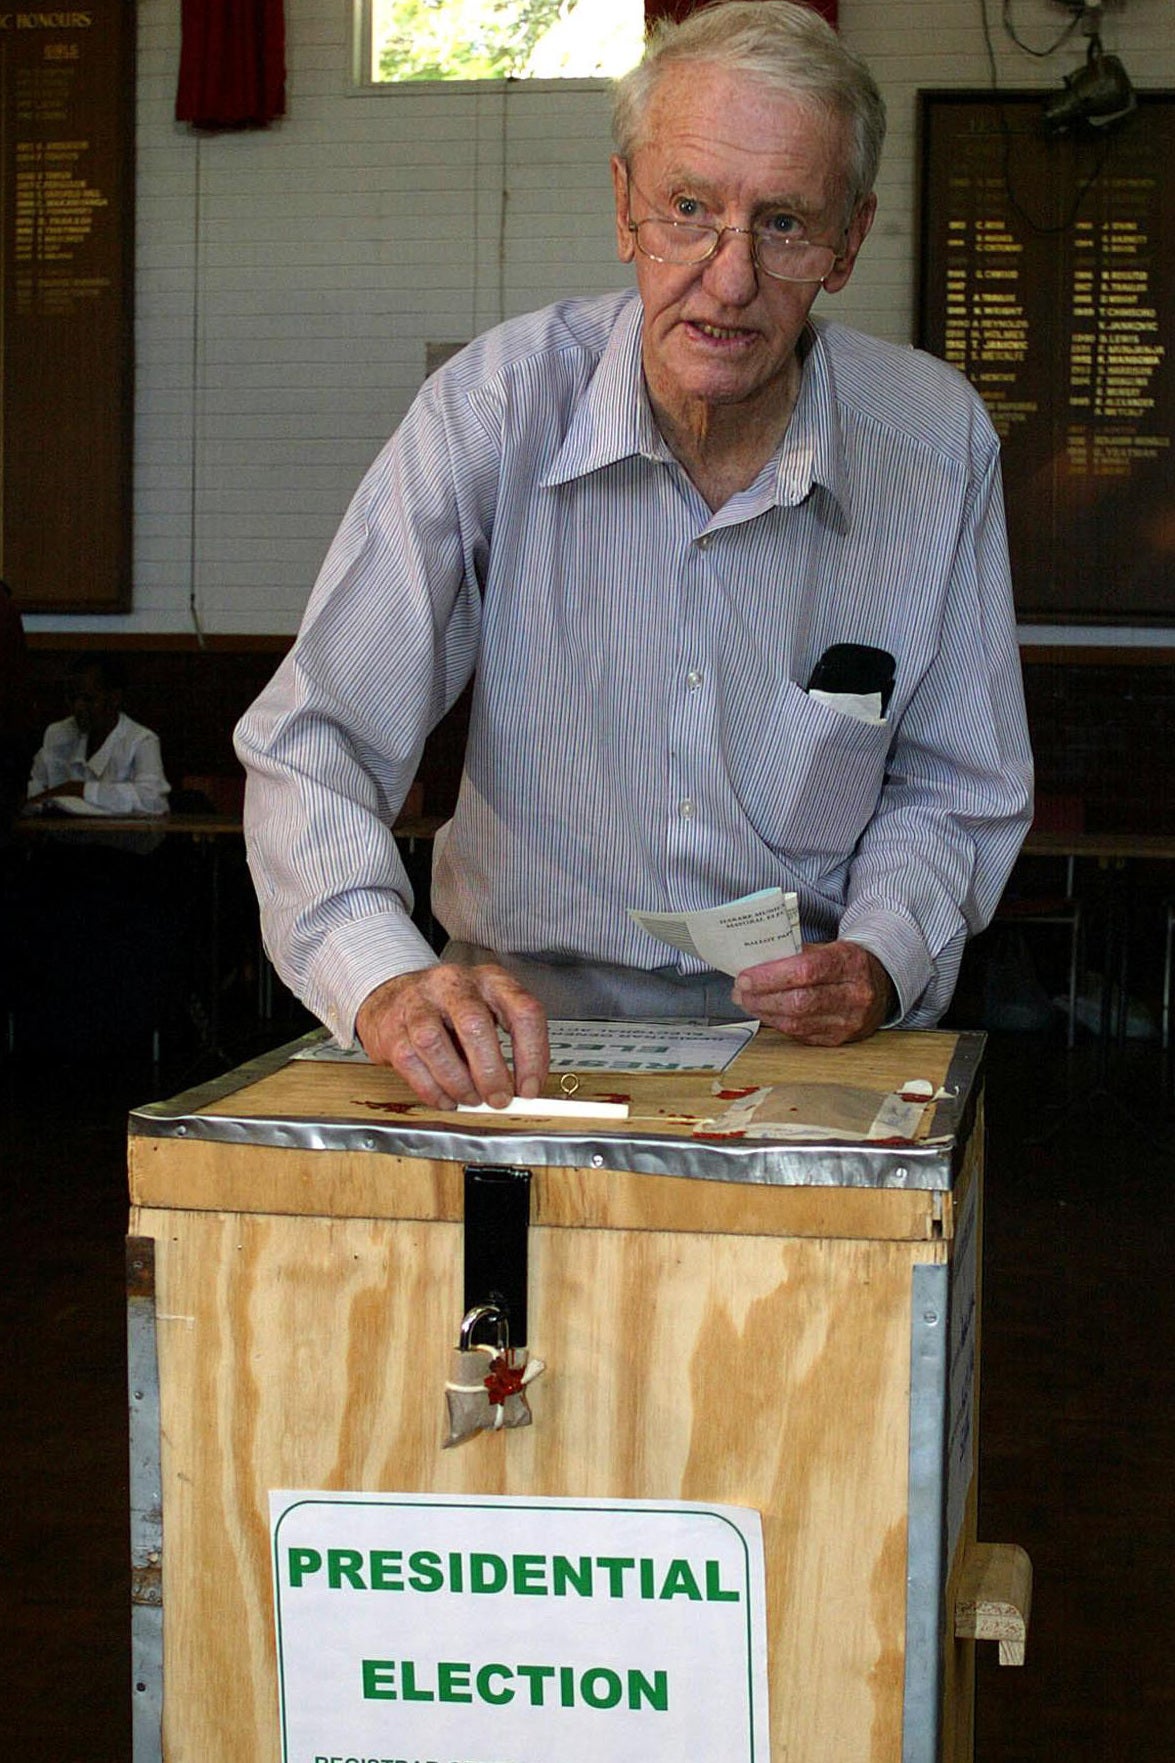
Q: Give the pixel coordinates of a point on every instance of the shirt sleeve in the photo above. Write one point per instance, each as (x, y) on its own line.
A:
(332, 745)
(932, 864)
(144, 790)
(52, 761)
(41, 778)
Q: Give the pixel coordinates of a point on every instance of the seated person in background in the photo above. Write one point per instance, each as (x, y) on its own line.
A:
(98, 761)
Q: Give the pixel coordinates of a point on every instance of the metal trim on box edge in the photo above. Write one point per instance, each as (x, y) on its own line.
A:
(774, 1163)
(929, 1338)
(146, 1505)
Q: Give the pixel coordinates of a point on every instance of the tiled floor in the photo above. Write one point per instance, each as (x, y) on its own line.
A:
(1078, 1416)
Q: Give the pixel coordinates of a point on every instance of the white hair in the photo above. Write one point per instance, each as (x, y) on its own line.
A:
(786, 47)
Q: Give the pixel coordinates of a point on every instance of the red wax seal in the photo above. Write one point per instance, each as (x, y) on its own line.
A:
(503, 1379)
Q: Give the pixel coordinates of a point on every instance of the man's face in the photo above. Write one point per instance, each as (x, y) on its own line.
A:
(723, 149)
(95, 705)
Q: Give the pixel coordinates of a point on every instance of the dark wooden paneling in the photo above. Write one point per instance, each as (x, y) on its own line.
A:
(1102, 720)
(193, 697)
(1103, 731)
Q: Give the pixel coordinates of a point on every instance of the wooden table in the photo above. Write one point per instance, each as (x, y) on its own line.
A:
(35, 828)
(1104, 847)
(1115, 853)
(412, 829)
(142, 836)
(214, 835)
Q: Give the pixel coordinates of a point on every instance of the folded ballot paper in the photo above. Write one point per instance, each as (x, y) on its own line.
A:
(759, 927)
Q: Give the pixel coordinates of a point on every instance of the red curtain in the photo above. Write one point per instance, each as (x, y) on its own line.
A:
(232, 63)
(679, 9)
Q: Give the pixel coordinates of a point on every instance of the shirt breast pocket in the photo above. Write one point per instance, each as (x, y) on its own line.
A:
(810, 784)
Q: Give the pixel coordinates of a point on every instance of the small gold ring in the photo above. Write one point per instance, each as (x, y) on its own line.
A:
(569, 1083)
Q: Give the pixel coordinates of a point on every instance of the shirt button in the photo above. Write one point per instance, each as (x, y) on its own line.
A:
(693, 678)
(704, 542)
(686, 809)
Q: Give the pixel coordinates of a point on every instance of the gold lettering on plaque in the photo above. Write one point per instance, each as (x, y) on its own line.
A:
(46, 21)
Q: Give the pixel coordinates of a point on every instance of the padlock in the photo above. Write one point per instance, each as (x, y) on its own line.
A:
(486, 1387)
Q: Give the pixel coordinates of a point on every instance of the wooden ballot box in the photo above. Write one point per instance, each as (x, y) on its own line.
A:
(727, 1313)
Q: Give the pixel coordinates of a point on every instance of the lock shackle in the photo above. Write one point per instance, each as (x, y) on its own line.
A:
(495, 1313)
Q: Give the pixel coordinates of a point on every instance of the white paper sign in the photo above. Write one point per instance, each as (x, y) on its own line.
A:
(429, 1628)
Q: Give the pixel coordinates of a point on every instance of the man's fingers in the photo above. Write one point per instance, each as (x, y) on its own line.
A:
(456, 1043)
(475, 1029)
(795, 979)
(525, 1021)
(415, 1073)
(829, 994)
(439, 1029)
(441, 1024)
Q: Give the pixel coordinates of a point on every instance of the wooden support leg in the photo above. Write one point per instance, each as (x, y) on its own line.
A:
(994, 1599)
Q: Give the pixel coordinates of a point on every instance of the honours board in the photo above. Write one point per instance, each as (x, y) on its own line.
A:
(1048, 278)
(66, 268)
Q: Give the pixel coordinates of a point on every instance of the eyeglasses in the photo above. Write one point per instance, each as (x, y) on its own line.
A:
(778, 255)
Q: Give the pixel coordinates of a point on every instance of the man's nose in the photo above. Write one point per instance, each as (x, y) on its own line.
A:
(732, 266)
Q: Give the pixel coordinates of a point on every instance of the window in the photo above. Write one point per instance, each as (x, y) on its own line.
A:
(497, 39)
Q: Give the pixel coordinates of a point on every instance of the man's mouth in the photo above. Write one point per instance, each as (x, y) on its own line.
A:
(721, 333)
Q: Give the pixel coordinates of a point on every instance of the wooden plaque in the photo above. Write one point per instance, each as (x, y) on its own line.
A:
(66, 284)
(1048, 278)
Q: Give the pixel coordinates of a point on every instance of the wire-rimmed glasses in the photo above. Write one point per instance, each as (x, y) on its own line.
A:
(782, 256)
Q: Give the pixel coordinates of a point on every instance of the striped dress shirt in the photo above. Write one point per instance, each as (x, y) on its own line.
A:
(640, 734)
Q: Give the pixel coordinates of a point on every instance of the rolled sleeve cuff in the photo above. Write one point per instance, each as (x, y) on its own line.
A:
(900, 947)
(354, 959)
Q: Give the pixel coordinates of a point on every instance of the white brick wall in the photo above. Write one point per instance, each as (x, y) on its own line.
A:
(289, 281)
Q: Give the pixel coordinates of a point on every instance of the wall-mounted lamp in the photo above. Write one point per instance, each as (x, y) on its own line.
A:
(1100, 93)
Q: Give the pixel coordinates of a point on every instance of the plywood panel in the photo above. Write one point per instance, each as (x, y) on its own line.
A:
(308, 1352)
(208, 1176)
(247, 1176)
(665, 1104)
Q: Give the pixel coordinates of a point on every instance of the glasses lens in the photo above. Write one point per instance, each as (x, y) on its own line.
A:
(793, 260)
(788, 260)
(671, 241)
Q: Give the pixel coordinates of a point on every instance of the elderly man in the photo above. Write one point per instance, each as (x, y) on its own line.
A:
(642, 520)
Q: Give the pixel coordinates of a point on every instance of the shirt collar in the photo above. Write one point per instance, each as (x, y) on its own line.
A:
(100, 754)
(613, 420)
(811, 455)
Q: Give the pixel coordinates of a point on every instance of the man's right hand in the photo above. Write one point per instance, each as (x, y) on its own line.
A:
(73, 788)
(438, 1028)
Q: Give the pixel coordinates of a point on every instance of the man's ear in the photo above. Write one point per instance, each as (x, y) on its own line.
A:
(856, 233)
(625, 243)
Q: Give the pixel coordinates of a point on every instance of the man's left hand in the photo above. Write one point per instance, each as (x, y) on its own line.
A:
(828, 994)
